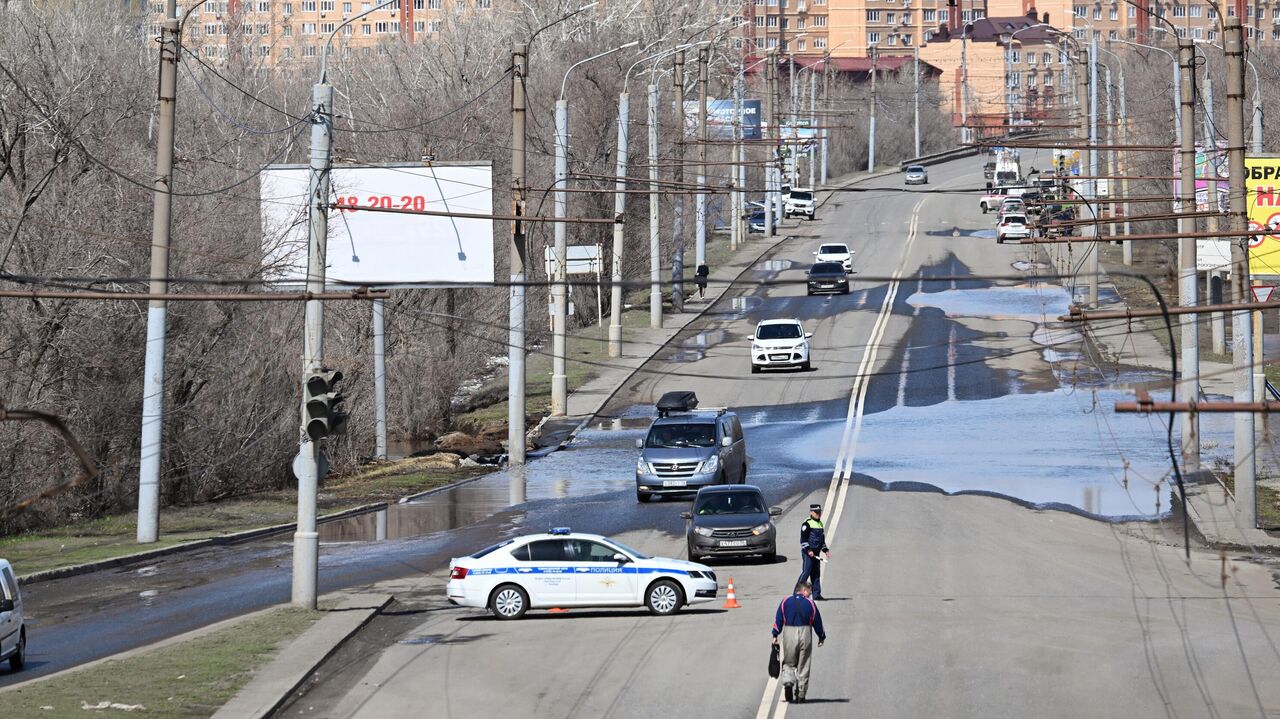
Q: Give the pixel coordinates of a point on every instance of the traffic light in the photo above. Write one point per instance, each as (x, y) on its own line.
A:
(324, 415)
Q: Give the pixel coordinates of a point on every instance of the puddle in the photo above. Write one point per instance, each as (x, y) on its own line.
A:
(986, 234)
(736, 307)
(773, 265)
(620, 424)
(1027, 266)
(707, 339)
(1035, 302)
(953, 232)
(686, 356)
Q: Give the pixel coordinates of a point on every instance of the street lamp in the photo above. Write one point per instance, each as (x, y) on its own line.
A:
(560, 288)
(1177, 83)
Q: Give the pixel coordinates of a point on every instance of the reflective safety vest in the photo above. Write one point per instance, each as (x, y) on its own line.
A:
(813, 535)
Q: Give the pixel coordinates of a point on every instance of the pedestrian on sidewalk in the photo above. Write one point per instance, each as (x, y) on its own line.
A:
(700, 279)
(813, 540)
(796, 621)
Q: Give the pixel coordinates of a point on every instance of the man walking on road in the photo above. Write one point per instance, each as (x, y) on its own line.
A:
(796, 620)
(812, 541)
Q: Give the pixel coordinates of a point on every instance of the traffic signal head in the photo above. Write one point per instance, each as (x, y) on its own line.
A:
(323, 404)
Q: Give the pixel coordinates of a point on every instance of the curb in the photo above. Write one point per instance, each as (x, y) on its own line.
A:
(301, 659)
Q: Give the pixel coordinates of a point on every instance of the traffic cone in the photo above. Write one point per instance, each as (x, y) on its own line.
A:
(558, 610)
(732, 601)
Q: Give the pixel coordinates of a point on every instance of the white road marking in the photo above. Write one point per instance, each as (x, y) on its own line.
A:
(766, 704)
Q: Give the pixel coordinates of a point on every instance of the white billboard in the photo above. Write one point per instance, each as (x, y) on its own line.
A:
(383, 249)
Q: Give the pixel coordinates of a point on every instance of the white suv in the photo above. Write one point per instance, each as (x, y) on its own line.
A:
(835, 253)
(799, 202)
(13, 632)
(779, 343)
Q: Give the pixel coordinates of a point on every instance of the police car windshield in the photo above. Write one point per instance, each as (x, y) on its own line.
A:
(729, 503)
(682, 435)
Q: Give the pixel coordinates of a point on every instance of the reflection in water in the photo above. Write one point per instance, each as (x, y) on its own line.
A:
(1035, 302)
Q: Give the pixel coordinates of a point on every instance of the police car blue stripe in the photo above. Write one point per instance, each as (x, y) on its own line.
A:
(575, 570)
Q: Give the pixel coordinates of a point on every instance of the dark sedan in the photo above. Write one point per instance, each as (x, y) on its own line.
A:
(731, 519)
(828, 277)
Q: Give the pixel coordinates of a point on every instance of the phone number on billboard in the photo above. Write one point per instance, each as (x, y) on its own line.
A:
(352, 203)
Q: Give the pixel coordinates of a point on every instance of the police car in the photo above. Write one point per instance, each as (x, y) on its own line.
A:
(567, 569)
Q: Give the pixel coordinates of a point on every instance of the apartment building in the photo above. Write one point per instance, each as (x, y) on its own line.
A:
(275, 31)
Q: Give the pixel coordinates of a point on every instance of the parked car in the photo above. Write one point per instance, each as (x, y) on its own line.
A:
(800, 202)
(687, 448)
(756, 223)
(917, 175)
(1012, 227)
(731, 521)
(13, 629)
(828, 277)
(779, 343)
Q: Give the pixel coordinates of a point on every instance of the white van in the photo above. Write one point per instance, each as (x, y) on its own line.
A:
(13, 633)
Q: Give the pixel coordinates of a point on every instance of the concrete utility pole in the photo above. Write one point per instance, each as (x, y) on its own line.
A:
(1082, 78)
(700, 235)
(1242, 328)
(379, 380)
(813, 123)
(871, 137)
(826, 102)
(771, 113)
(965, 134)
(619, 209)
(677, 217)
(560, 283)
(1124, 165)
(1111, 154)
(518, 254)
(1189, 384)
(1095, 248)
(306, 542)
(1211, 155)
(655, 243)
(915, 51)
(152, 445)
(739, 159)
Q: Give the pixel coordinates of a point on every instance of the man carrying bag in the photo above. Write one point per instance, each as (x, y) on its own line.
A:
(796, 621)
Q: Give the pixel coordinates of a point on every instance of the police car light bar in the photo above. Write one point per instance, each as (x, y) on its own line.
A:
(559, 530)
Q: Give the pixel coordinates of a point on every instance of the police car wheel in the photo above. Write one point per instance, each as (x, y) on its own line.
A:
(664, 597)
(509, 602)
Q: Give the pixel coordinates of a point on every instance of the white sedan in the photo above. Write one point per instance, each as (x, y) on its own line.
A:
(567, 569)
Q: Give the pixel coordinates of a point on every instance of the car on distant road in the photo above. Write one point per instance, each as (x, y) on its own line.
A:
(732, 521)
(827, 277)
(916, 175)
(1012, 227)
(800, 201)
(779, 343)
(835, 252)
(1014, 205)
(568, 569)
(13, 628)
(756, 223)
(688, 447)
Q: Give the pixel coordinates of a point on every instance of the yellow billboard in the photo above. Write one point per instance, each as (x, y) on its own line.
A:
(1262, 190)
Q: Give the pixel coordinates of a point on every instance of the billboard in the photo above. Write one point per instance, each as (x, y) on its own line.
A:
(720, 119)
(381, 249)
(1262, 192)
(1204, 156)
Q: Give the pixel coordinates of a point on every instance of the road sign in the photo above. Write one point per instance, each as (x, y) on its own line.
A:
(579, 260)
(1262, 293)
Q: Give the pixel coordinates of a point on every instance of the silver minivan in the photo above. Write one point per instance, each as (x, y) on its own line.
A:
(687, 448)
(13, 632)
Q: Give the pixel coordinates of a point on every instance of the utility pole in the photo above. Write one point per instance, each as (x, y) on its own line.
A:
(655, 243)
(152, 446)
(813, 124)
(964, 84)
(677, 218)
(826, 102)
(560, 284)
(771, 112)
(1242, 328)
(1124, 165)
(1095, 248)
(738, 159)
(306, 542)
(518, 253)
(700, 235)
(1211, 155)
(619, 209)
(1188, 385)
(379, 379)
(1111, 154)
(871, 137)
(915, 49)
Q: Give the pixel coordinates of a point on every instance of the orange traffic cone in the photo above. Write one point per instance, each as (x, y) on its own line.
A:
(732, 601)
(558, 610)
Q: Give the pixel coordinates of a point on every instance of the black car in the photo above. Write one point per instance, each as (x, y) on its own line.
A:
(731, 520)
(828, 277)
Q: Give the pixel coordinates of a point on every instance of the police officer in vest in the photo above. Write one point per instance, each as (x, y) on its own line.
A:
(812, 541)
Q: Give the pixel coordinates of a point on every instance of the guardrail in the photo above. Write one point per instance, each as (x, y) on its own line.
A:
(939, 157)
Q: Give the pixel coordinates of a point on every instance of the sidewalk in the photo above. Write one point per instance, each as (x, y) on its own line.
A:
(1211, 508)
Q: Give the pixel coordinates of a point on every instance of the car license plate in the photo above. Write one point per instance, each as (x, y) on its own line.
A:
(733, 542)
(777, 358)
(828, 285)
(675, 483)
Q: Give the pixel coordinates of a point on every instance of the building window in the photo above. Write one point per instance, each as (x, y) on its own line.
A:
(1113, 14)
(873, 16)
(1031, 79)
(326, 5)
(930, 15)
(484, 4)
(286, 8)
(759, 20)
(264, 6)
(1015, 78)
(800, 45)
(1048, 79)
(873, 39)
(326, 27)
(1031, 58)
(262, 28)
(433, 26)
(433, 4)
(309, 51)
(1197, 11)
(347, 30)
(820, 43)
(819, 20)
(308, 5)
(1179, 10)
(800, 24)
(1097, 13)
(906, 40)
(419, 26)
(891, 18)
(1133, 11)
(1132, 33)
(943, 14)
(264, 51)
(1015, 56)
(1080, 11)
(346, 8)
(366, 29)
(1198, 33)
(771, 21)
(382, 27)
(395, 27)
(308, 28)
(288, 53)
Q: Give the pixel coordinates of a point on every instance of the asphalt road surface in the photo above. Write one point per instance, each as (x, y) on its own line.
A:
(982, 505)
(976, 488)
